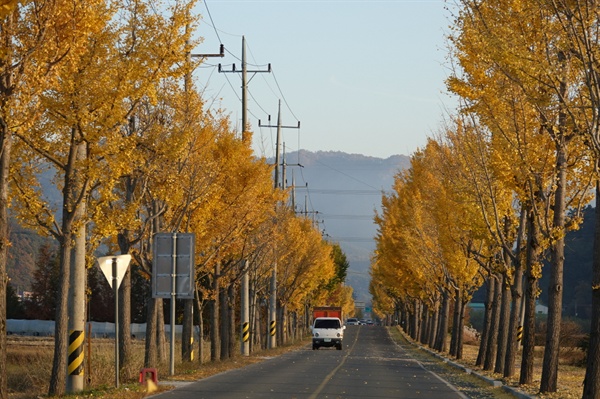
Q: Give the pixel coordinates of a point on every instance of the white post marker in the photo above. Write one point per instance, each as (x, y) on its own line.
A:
(114, 269)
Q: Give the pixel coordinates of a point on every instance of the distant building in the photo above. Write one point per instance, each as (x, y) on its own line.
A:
(541, 309)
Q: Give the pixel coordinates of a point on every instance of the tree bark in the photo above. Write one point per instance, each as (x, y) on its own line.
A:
(125, 346)
(161, 337)
(233, 330)
(555, 289)
(5, 146)
(414, 320)
(492, 343)
(461, 328)
(533, 266)
(425, 325)
(214, 316)
(151, 352)
(434, 324)
(187, 333)
(224, 324)
(517, 298)
(487, 321)
(440, 344)
(504, 324)
(455, 323)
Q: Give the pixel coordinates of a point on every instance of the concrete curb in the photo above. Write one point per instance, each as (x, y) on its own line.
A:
(495, 383)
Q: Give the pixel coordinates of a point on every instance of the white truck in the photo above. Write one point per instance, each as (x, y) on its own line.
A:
(327, 331)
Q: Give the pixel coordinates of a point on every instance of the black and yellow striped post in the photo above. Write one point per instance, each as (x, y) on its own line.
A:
(245, 332)
(75, 353)
(245, 314)
(519, 334)
(272, 328)
(192, 348)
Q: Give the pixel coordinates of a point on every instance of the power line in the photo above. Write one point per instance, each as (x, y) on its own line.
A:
(356, 217)
(284, 99)
(212, 22)
(343, 191)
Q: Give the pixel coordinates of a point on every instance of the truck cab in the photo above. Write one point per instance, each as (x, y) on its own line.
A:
(328, 332)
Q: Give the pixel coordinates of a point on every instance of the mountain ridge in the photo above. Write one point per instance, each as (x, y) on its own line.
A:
(340, 191)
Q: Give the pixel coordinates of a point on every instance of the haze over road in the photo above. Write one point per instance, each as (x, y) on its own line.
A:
(369, 366)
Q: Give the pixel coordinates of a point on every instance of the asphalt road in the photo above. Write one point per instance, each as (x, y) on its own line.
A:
(369, 366)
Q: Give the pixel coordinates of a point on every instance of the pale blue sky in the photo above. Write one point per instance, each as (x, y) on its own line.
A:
(363, 77)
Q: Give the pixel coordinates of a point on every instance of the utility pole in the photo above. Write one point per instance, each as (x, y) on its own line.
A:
(277, 184)
(278, 163)
(244, 73)
(76, 302)
(187, 336)
(245, 312)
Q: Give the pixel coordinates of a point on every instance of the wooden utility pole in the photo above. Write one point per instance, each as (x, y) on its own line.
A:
(244, 73)
(187, 336)
(277, 184)
(245, 313)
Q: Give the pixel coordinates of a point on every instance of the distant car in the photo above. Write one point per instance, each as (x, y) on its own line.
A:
(370, 323)
(352, 322)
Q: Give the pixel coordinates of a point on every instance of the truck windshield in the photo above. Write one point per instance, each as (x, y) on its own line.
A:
(327, 323)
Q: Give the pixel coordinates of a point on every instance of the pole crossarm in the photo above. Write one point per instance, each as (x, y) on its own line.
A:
(221, 53)
(233, 70)
(283, 127)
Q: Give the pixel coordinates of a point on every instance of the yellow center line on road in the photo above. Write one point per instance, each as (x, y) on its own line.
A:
(329, 376)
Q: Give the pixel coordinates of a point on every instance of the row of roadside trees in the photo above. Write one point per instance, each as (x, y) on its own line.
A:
(94, 93)
(493, 195)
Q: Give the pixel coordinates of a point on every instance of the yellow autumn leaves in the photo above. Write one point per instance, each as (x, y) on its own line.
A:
(99, 106)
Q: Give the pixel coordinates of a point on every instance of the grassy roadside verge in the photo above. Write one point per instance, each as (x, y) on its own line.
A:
(570, 380)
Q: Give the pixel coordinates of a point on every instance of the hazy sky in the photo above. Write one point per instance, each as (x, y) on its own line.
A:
(362, 77)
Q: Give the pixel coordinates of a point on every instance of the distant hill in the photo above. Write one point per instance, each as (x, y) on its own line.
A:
(341, 192)
(22, 255)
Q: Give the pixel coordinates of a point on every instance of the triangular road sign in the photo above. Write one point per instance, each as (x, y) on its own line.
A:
(106, 262)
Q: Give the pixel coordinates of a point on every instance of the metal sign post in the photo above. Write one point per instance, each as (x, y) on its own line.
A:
(173, 273)
(114, 268)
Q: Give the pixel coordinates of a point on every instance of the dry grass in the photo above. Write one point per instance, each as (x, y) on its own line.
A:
(570, 376)
(29, 362)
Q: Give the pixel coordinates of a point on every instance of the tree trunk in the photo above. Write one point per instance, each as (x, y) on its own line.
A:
(425, 325)
(440, 344)
(461, 321)
(591, 383)
(434, 324)
(187, 333)
(200, 305)
(214, 316)
(5, 148)
(414, 321)
(555, 289)
(224, 330)
(517, 299)
(233, 331)
(455, 323)
(492, 343)
(533, 271)
(151, 352)
(487, 321)
(161, 337)
(504, 324)
(125, 347)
